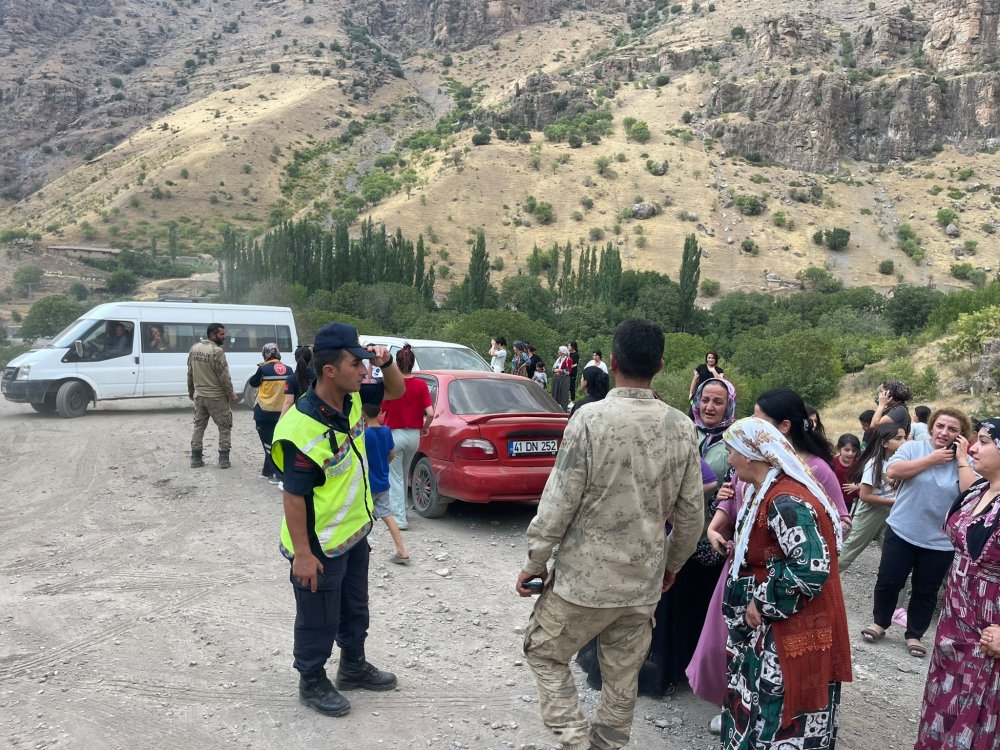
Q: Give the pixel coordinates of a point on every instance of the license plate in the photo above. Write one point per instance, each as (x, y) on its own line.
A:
(532, 447)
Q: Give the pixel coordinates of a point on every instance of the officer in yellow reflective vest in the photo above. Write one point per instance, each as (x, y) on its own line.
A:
(319, 445)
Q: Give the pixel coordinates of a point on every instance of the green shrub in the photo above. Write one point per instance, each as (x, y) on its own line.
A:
(275, 67)
(710, 287)
(49, 315)
(887, 267)
(749, 205)
(946, 216)
(27, 277)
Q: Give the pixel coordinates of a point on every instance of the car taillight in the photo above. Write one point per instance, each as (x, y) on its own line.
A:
(476, 449)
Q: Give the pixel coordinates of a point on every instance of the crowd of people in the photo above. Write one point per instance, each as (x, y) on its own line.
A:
(668, 547)
(754, 618)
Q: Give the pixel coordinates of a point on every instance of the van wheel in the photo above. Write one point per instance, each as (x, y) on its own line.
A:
(426, 500)
(249, 396)
(72, 399)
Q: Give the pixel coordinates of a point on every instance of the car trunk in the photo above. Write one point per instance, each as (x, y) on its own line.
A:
(522, 440)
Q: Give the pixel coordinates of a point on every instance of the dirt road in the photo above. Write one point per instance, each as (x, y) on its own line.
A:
(143, 604)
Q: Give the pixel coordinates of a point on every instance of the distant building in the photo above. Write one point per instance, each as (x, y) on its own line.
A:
(79, 251)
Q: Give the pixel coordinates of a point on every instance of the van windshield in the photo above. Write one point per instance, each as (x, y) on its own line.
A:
(70, 333)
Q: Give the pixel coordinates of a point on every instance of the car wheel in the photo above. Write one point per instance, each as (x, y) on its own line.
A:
(249, 396)
(72, 399)
(48, 406)
(426, 500)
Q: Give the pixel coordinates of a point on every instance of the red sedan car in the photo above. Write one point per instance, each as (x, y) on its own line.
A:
(494, 437)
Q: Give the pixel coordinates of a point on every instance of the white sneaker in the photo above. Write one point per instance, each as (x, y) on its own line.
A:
(715, 725)
(281, 486)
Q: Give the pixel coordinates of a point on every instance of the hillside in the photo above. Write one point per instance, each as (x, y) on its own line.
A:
(130, 115)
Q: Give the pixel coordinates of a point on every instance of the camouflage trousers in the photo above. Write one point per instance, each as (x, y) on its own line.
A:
(221, 413)
(556, 631)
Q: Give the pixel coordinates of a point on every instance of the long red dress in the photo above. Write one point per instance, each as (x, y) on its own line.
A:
(962, 697)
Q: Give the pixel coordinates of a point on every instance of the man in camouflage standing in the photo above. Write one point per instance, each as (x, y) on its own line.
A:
(625, 466)
(211, 389)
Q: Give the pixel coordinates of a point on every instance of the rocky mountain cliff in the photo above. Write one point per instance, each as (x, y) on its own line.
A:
(893, 89)
(408, 25)
(124, 119)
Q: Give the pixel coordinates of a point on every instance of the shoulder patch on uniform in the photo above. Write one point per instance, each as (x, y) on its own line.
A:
(280, 369)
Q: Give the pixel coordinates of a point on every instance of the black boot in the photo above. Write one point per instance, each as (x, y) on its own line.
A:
(317, 692)
(355, 672)
(197, 461)
(224, 460)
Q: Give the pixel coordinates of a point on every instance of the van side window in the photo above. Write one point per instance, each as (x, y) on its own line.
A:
(251, 338)
(165, 338)
(284, 339)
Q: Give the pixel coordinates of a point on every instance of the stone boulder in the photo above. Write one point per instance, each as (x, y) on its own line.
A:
(952, 230)
(643, 210)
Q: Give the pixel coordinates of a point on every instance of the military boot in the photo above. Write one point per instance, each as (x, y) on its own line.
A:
(224, 460)
(318, 693)
(355, 672)
(197, 461)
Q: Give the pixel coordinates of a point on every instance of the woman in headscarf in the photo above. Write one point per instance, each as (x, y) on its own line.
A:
(683, 610)
(962, 697)
(561, 369)
(269, 380)
(788, 648)
(519, 362)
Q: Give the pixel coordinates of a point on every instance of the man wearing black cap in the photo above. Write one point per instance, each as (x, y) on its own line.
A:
(319, 445)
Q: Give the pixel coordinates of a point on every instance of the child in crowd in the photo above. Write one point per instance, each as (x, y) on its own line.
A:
(540, 377)
(865, 418)
(848, 450)
(877, 493)
(918, 430)
(876, 497)
(380, 450)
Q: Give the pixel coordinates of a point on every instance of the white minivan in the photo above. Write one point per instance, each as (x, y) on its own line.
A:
(139, 350)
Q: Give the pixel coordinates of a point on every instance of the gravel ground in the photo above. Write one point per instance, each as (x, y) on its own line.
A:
(145, 604)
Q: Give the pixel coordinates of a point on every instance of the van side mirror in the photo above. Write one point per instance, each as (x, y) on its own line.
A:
(78, 348)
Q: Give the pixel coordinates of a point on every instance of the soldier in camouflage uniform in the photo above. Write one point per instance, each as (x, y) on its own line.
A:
(625, 466)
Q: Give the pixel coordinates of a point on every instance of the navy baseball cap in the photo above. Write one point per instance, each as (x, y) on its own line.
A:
(340, 336)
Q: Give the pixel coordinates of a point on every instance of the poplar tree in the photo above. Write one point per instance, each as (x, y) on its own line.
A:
(690, 276)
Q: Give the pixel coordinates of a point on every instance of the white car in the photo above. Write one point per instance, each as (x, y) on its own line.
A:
(430, 355)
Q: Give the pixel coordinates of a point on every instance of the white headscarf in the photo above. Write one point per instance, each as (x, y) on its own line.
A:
(759, 440)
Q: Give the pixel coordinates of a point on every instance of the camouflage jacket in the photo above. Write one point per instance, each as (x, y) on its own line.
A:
(208, 371)
(626, 465)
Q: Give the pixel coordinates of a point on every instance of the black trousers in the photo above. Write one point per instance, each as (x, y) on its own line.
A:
(265, 423)
(572, 386)
(338, 611)
(928, 568)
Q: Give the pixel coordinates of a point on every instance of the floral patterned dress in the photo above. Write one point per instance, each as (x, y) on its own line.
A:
(962, 698)
(751, 717)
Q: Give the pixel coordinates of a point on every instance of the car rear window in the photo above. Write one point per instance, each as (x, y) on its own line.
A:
(449, 358)
(496, 396)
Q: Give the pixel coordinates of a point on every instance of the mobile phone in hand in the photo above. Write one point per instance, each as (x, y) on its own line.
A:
(535, 586)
